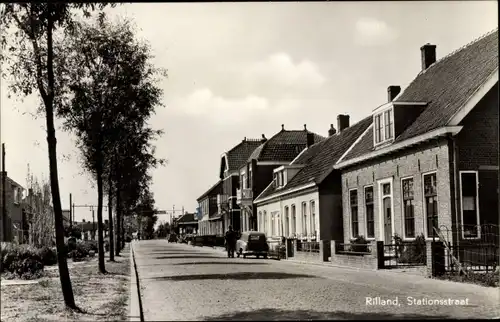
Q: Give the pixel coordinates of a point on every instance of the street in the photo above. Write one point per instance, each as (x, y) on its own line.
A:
(182, 282)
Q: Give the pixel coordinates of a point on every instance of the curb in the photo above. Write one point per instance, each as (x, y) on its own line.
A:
(135, 310)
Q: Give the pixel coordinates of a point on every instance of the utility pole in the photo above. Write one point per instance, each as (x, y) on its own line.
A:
(93, 224)
(70, 213)
(4, 202)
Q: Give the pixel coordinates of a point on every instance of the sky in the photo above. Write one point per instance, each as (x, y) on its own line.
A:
(240, 70)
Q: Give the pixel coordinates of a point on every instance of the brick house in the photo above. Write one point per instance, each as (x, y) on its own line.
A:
(304, 200)
(258, 171)
(210, 222)
(187, 224)
(13, 197)
(230, 163)
(430, 157)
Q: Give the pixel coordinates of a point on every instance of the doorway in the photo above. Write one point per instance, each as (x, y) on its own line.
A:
(386, 211)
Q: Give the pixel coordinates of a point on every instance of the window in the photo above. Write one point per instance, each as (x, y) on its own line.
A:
(353, 198)
(16, 194)
(370, 215)
(281, 179)
(294, 221)
(388, 124)
(259, 223)
(430, 203)
(272, 224)
(304, 219)
(378, 128)
(313, 218)
(383, 126)
(408, 208)
(265, 221)
(287, 222)
(470, 207)
(249, 183)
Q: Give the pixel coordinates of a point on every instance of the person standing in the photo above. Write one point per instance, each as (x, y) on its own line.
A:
(230, 242)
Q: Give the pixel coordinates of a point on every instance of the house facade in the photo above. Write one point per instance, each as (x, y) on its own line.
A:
(231, 161)
(259, 170)
(210, 223)
(428, 163)
(187, 224)
(304, 200)
(13, 204)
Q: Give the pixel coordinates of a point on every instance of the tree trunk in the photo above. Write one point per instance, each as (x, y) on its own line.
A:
(64, 277)
(110, 212)
(123, 232)
(100, 236)
(118, 216)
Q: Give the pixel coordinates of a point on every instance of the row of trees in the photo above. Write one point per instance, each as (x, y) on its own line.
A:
(97, 77)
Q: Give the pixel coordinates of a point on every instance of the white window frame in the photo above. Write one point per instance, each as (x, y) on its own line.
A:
(259, 223)
(403, 224)
(287, 221)
(366, 213)
(264, 213)
(350, 211)
(477, 205)
(381, 210)
(424, 208)
(382, 124)
(312, 219)
(304, 218)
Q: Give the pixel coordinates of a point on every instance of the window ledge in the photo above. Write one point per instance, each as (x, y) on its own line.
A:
(471, 238)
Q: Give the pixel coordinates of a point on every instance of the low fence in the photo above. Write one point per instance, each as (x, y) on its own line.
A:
(404, 254)
(308, 246)
(208, 240)
(474, 257)
(366, 255)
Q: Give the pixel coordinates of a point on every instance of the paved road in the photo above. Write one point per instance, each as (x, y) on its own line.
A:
(181, 282)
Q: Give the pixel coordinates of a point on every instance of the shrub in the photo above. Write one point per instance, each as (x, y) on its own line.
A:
(23, 260)
(413, 252)
(27, 268)
(48, 255)
(491, 279)
(359, 245)
(78, 254)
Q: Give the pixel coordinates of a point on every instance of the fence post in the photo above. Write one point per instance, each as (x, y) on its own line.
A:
(435, 258)
(333, 249)
(379, 253)
(325, 250)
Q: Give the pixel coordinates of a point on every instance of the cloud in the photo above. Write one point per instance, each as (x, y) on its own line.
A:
(204, 103)
(372, 32)
(222, 110)
(280, 70)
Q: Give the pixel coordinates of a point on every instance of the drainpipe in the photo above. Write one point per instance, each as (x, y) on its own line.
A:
(454, 157)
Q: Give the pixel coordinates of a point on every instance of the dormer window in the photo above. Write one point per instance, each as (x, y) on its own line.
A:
(383, 126)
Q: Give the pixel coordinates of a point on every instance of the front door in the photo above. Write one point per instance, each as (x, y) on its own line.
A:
(385, 197)
(387, 220)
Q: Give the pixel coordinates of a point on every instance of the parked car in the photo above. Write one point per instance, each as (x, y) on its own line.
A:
(252, 243)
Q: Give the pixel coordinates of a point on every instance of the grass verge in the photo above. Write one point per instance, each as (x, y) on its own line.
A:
(101, 297)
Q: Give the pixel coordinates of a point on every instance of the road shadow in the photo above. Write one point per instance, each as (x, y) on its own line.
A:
(232, 276)
(295, 315)
(220, 263)
(176, 253)
(185, 257)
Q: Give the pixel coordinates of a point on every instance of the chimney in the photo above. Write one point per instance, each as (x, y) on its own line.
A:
(332, 130)
(342, 122)
(428, 55)
(282, 127)
(264, 139)
(392, 92)
(310, 139)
